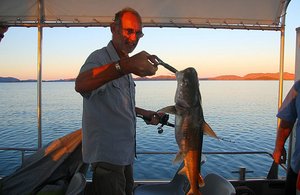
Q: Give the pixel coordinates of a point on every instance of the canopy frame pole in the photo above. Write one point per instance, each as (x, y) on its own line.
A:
(39, 71)
(281, 67)
(297, 55)
(281, 72)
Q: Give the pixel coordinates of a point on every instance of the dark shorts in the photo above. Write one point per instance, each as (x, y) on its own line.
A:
(109, 179)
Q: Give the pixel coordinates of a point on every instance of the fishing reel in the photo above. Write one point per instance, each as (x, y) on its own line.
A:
(164, 121)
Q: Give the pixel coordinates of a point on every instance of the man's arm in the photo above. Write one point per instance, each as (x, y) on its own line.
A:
(92, 79)
(283, 132)
(141, 64)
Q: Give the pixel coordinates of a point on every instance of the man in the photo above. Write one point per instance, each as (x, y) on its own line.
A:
(3, 29)
(288, 113)
(109, 112)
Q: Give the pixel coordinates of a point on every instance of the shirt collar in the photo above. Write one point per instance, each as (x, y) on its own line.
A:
(112, 52)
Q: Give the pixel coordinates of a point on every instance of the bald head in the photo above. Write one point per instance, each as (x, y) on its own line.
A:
(120, 14)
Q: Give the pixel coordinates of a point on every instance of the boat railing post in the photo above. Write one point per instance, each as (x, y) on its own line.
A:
(23, 156)
(39, 71)
(242, 173)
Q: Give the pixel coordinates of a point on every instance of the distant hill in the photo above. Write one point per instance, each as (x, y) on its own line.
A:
(256, 76)
(251, 76)
(226, 77)
(269, 76)
(9, 79)
(161, 77)
(12, 79)
(61, 80)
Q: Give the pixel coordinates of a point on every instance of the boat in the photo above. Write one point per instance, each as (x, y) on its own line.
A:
(268, 15)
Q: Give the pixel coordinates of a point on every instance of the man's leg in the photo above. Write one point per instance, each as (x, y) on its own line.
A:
(129, 179)
(108, 179)
(290, 185)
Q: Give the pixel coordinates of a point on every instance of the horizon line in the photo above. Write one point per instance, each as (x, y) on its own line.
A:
(249, 76)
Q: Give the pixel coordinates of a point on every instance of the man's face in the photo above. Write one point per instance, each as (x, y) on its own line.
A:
(128, 33)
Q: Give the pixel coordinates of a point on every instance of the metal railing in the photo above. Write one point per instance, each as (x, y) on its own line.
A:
(273, 172)
(21, 150)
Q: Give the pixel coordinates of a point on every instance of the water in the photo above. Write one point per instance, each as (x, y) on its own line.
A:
(240, 111)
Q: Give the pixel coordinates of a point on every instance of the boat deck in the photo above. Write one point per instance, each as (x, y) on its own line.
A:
(269, 185)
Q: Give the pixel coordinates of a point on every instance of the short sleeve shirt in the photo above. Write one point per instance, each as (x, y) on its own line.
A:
(290, 112)
(108, 119)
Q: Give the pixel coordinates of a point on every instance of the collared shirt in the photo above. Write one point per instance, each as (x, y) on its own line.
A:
(109, 118)
(289, 111)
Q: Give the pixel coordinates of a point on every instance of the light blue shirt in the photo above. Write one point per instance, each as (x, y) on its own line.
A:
(290, 113)
(109, 118)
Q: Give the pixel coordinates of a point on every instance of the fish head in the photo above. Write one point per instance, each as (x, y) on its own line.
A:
(187, 93)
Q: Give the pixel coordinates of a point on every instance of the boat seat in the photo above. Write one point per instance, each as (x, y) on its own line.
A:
(176, 186)
(217, 185)
(77, 184)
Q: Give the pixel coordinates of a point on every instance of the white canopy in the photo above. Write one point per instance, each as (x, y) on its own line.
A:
(232, 14)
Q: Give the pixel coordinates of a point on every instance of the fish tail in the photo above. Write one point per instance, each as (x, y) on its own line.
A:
(196, 191)
(191, 192)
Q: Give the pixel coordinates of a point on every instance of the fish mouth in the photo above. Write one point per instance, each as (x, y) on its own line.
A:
(188, 73)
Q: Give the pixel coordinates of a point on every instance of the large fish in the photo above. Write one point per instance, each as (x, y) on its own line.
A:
(189, 126)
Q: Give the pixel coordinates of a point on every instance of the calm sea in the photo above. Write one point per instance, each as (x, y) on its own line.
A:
(241, 112)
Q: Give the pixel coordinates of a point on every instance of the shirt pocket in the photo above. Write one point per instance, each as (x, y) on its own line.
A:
(116, 84)
(99, 91)
(116, 94)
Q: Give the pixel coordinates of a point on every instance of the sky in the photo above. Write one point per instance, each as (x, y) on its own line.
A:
(212, 52)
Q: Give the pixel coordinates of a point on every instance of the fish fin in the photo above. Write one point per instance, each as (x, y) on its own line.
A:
(168, 109)
(208, 130)
(179, 157)
(201, 181)
(182, 171)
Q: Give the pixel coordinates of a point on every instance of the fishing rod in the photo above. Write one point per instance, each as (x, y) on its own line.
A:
(163, 120)
(167, 66)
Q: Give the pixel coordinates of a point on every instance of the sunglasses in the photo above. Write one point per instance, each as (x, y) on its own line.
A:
(130, 32)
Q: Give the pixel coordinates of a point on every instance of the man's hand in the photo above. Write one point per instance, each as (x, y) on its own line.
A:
(279, 155)
(141, 64)
(155, 118)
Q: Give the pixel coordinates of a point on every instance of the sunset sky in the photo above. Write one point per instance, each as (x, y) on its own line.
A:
(211, 52)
